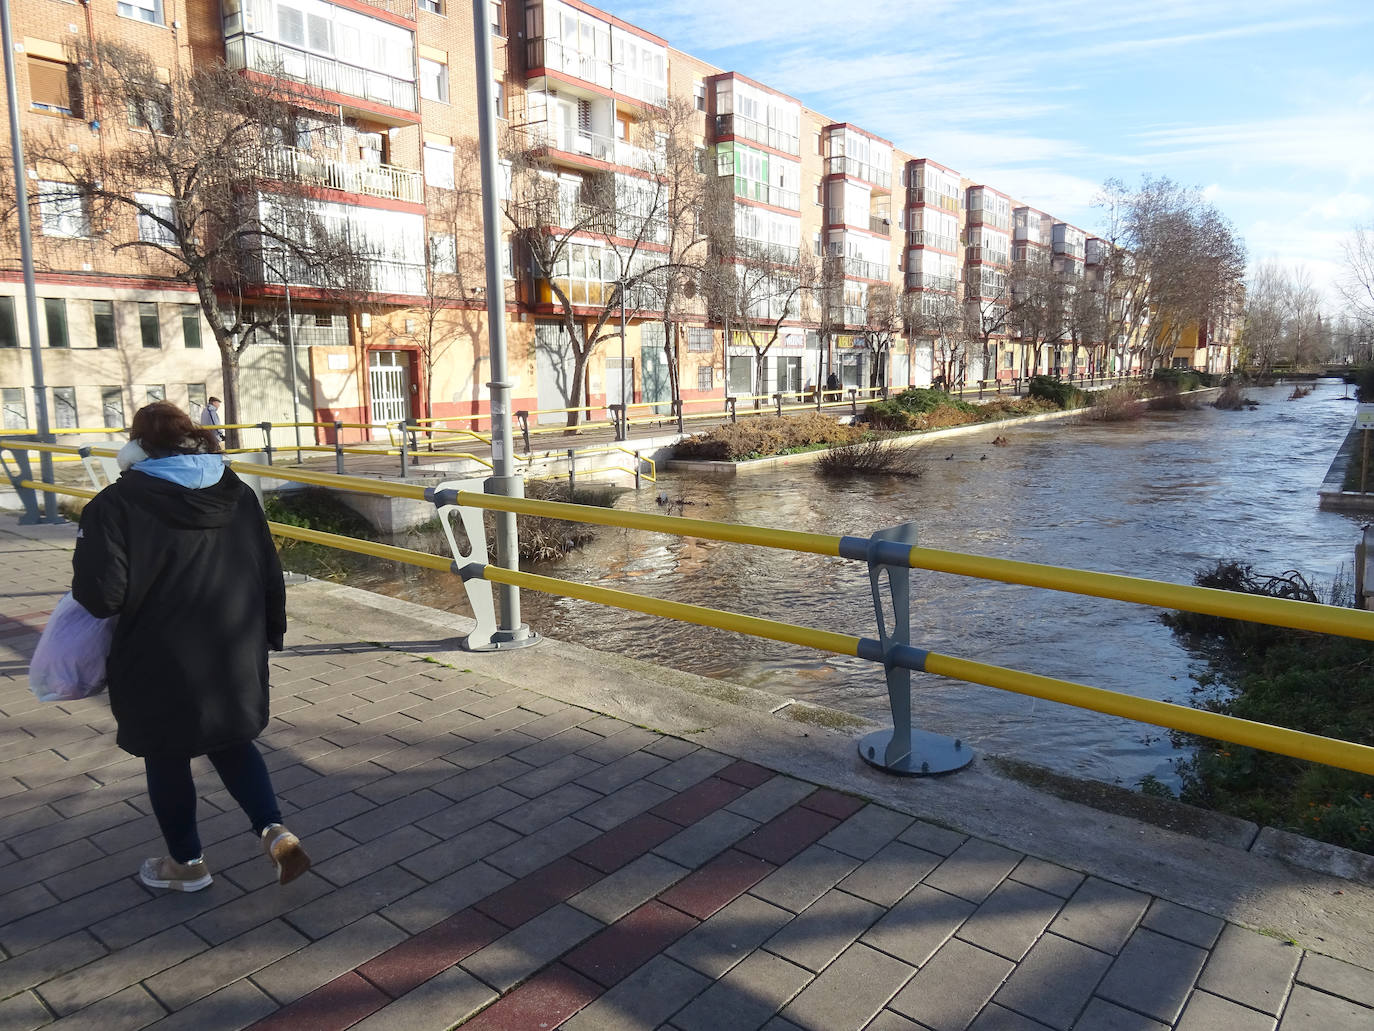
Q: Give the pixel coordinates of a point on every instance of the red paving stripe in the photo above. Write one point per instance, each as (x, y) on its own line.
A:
(542, 1002)
(833, 803)
(414, 961)
(745, 773)
(532, 894)
(784, 836)
(614, 954)
(612, 850)
(711, 887)
(687, 807)
(332, 1007)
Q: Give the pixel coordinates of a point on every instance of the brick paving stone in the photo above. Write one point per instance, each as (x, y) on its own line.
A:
(554, 775)
(932, 838)
(628, 769)
(371, 856)
(824, 930)
(300, 973)
(404, 967)
(28, 899)
(127, 1010)
(543, 1001)
(555, 840)
(998, 1018)
(915, 928)
(708, 837)
(459, 851)
(1200, 929)
(771, 798)
(623, 803)
(215, 968)
(890, 874)
(429, 905)
(623, 743)
(864, 834)
(463, 784)
(670, 747)
(687, 807)
(1153, 974)
(1106, 1016)
(849, 992)
(787, 835)
(1102, 915)
(1011, 919)
(390, 818)
(731, 934)
(74, 914)
(110, 974)
(1309, 1010)
(554, 749)
(33, 842)
(746, 773)
(519, 953)
(450, 996)
(744, 998)
(23, 1012)
(1337, 978)
(952, 987)
(536, 892)
(1206, 1012)
(229, 1009)
(682, 773)
(257, 907)
(47, 962)
(804, 879)
(1054, 982)
(630, 840)
(546, 809)
(638, 881)
(604, 726)
(333, 1006)
(889, 1021)
(709, 888)
(484, 750)
(644, 999)
(611, 955)
(325, 915)
(1251, 969)
(834, 803)
(973, 870)
(471, 811)
(1050, 877)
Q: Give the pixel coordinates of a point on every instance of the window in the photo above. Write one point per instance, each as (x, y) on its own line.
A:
(433, 80)
(432, 6)
(112, 407)
(190, 325)
(152, 109)
(439, 165)
(16, 411)
(706, 379)
(157, 392)
(290, 25)
(9, 329)
(64, 407)
(699, 338)
(63, 210)
(104, 323)
(507, 259)
(144, 10)
(148, 326)
(55, 86)
(498, 95)
(701, 96)
(156, 219)
(55, 314)
(195, 400)
(820, 146)
(820, 193)
(497, 18)
(443, 253)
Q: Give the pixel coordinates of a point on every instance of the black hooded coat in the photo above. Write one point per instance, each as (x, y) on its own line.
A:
(194, 578)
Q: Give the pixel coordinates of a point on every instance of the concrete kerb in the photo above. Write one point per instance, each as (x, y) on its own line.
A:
(1260, 888)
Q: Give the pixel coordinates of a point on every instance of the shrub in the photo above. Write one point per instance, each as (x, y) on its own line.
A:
(761, 436)
(1183, 379)
(1054, 389)
(1232, 399)
(1364, 383)
(873, 458)
(921, 408)
(543, 538)
(1117, 404)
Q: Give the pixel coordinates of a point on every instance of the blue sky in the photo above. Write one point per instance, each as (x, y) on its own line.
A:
(1266, 105)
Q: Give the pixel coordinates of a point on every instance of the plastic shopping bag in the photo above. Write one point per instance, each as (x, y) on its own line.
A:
(69, 662)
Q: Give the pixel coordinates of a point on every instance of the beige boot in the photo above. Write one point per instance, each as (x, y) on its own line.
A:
(286, 853)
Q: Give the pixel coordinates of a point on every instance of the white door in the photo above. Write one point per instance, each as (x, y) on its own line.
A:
(618, 377)
(389, 373)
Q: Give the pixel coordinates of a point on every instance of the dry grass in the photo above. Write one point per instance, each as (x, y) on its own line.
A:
(1118, 404)
(873, 458)
(760, 436)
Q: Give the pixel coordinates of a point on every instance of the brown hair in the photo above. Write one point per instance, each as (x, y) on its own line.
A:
(163, 429)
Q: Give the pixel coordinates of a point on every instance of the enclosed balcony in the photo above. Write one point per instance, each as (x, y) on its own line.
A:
(572, 43)
(926, 238)
(917, 195)
(386, 181)
(282, 60)
(742, 127)
(853, 167)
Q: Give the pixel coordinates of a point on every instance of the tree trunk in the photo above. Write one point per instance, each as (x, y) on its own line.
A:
(229, 372)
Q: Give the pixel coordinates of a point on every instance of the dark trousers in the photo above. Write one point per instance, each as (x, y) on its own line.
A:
(173, 794)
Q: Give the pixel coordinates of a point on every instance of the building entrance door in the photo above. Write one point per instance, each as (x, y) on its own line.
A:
(389, 377)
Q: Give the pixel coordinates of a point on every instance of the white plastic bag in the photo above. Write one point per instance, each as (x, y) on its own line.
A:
(69, 662)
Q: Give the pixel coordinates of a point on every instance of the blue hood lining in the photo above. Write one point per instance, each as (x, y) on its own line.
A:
(193, 471)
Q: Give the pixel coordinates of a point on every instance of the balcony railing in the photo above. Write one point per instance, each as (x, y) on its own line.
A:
(925, 238)
(372, 180)
(1069, 250)
(554, 55)
(766, 193)
(742, 126)
(857, 268)
(279, 59)
(919, 195)
(930, 281)
(880, 225)
(841, 164)
(374, 275)
(401, 8)
(987, 254)
(989, 218)
(594, 145)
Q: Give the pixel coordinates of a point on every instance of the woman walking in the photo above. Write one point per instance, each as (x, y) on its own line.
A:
(178, 548)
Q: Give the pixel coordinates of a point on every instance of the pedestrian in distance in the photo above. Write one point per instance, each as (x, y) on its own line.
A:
(179, 549)
(209, 416)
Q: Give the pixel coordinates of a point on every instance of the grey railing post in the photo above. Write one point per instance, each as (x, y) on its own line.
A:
(572, 471)
(777, 402)
(404, 456)
(730, 407)
(28, 497)
(338, 447)
(266, 428)
(524, 418)
(638, 464)
(854, 402)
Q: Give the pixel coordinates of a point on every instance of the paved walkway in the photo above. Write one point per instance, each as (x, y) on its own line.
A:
(485, 852)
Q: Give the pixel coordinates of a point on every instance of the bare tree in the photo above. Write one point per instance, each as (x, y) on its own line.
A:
(883, 323)
(943, 319)
(1357, 284)
(196, 183)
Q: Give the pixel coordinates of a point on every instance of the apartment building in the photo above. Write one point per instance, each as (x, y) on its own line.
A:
(384, 138)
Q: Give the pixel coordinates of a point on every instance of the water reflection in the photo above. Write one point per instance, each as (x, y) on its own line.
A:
(1161, 497)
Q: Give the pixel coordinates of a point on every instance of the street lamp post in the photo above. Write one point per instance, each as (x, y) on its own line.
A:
(624, 431)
